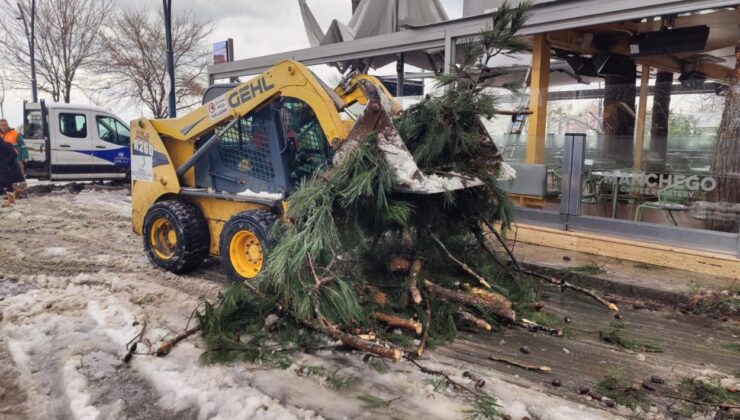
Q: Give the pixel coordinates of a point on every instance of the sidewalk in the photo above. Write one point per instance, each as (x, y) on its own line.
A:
(625, 279)
(691, 347)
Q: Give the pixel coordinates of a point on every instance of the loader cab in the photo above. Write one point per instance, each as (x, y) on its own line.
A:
(75, 142)
(270, 150)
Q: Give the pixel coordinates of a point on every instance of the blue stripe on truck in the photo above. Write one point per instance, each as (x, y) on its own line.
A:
(118, 157)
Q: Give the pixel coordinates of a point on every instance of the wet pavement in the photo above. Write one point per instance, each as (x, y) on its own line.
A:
(693, 346)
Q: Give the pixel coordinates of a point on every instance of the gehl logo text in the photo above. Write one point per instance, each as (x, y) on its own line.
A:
(252, 90)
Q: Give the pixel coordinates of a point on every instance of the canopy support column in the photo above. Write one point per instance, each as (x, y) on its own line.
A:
(641, 113)
(538, 100)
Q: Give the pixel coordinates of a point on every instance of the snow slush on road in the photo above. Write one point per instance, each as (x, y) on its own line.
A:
(76, 289)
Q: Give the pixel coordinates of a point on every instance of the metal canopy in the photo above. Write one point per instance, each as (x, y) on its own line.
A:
(378, 17)
(546, 17)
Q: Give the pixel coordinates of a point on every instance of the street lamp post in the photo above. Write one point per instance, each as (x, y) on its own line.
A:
(31, 38)
(172, 109)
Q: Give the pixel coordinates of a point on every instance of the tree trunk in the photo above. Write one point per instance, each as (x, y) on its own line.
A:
(619, 118)
(659, 128)
(726, 161)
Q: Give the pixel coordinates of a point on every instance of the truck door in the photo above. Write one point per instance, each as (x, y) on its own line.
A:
(36, 135)
(71, 144)
(111, 153)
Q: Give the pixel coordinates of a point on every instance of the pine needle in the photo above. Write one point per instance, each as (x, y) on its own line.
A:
(616, 335)
(372, 402)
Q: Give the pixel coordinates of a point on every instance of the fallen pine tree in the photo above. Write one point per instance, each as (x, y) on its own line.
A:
(359, 261)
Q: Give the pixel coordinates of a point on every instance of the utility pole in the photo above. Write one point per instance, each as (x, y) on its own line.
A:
(171, 108)
(31, 38)
(400, 62)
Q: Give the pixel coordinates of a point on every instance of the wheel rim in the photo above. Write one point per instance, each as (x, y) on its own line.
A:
(245, 253)
(163, 238)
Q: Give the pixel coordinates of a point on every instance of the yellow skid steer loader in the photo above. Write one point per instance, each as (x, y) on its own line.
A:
(215, 180)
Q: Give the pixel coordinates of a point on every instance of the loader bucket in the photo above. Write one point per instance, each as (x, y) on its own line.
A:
(407, 175)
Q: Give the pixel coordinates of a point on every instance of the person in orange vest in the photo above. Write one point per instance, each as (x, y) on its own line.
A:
(12, 136)
(15, 180)
(10, 174)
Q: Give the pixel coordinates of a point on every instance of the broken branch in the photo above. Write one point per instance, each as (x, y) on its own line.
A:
(725, 406)
(456, 385)
(567, 285)
(427, 326)
(480, 323)
(413, 289)
(376, 295)
(462, 265)
(520, 365)
(498, 305)
(356, 342)
(165, 348)
(552, 280)
(533, 326)
(503, 243)
(399, 265)
(398, 322)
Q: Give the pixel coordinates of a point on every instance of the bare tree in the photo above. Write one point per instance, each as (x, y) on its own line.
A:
(67, 42)
(135, 61)
(619, 117)
(725, 163)
(2, 96)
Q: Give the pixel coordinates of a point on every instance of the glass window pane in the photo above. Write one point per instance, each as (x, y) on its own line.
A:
(105, 131)
(73, 125)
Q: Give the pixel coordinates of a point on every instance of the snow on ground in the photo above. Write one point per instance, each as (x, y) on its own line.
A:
(75, 287)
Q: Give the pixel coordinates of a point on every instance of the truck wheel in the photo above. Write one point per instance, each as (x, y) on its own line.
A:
(176, 236)
(244, 244)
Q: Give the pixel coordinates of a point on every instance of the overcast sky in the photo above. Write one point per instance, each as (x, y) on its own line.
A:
(258, 27)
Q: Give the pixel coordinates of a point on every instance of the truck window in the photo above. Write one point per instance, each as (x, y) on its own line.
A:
(33, 128)
(112, 130)
(73, 125)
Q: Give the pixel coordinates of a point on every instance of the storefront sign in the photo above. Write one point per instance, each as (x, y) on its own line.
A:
(651, 183)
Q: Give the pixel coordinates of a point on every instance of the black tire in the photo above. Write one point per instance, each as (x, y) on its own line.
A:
(259, 223)
(191, 231)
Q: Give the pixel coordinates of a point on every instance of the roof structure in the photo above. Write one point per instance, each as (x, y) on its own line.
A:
(373, 18)
(563, 16)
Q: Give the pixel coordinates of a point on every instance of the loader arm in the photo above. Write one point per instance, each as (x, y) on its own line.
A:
(349, 91)
(287, 78)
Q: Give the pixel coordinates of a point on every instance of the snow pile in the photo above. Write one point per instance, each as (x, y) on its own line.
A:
(57, 330)
(409, 177)
(264, 195)
(506, 172)
(216, 391)
(54, 251)
(76, 390)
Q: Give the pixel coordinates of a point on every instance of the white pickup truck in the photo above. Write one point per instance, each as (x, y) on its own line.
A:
(75, 142)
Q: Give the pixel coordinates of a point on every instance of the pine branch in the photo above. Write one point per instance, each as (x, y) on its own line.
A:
(462, 265)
